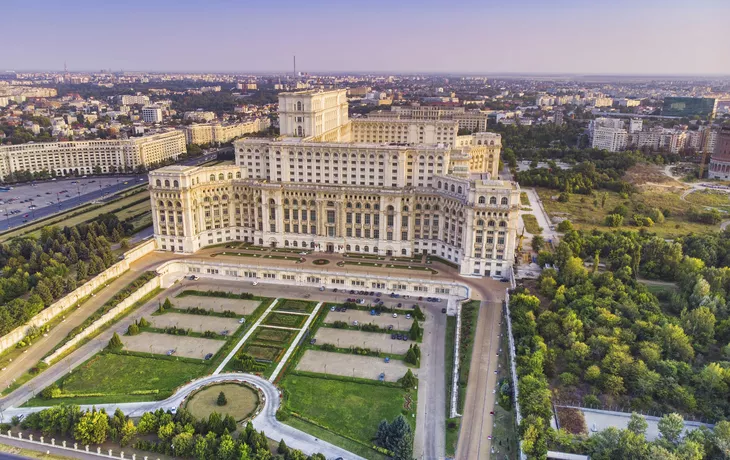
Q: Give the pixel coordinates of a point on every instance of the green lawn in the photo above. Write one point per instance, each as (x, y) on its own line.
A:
(264, 334)
(452, 425)
(524, 199)
(284, 320)
(711, 198)
(531, 224)
(257, 256)
(328, 436)
(469, 316)
(117, 376)
(346, 408)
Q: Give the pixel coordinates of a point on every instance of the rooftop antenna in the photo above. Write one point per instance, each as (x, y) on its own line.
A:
(295, 66)
(65, 68)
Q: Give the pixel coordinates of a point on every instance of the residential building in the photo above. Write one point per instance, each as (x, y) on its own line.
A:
(152, 114)
(314, 188)
(87, 157)
(635, 125)
(611, 139)
(132, 100)
(199, 115)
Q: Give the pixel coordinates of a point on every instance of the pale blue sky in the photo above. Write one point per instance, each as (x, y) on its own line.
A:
(485, 36)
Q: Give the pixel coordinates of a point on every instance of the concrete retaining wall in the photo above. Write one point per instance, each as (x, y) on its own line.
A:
(16, 335)
(148, 287)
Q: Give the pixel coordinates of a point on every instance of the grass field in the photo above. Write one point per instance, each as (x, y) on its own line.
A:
(27, 453)
(452, 425)
(587, 215)
(524, 199)
(242, 401)
(117, 376)
(712, 198)
(470, 314)
(333, 438)
(531, 224)
(299, 306)
(272, 335)
(284, 320)
(350, 409)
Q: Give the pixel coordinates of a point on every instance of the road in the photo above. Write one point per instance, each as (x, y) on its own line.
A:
(430, 438)
(476, 422)
(265, 421)
(82, 193)
(538, 210)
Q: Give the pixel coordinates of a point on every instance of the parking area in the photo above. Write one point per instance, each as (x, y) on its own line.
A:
(48, 193)
(365, 367)
(363, 317)
(217, 304)
(196, 323)
(344, 338)
(161, 344)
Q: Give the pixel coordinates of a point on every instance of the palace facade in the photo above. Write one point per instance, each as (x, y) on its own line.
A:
(313, 188)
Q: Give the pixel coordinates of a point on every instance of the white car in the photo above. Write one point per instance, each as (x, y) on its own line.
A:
(255, 283)
(304, 253)
(395, 315)
(242, 320)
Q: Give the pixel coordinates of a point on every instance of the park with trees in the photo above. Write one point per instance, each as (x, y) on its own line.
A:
(589, 333)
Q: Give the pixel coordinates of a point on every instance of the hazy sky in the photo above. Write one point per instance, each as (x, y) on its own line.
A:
(550, 36)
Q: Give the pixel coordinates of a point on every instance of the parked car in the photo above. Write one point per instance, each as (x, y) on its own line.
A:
(395, 315)
(255, 283)
(242, 320)
(193, 277)
(208, 356)
(387, 359)
(381, 377)
(443, 310)
(333, 308)
(408, 316)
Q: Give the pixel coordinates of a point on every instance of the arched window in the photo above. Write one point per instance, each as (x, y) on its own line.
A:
(169, 204)
(212, 177)
(330, 203)
(493, 200)
(272, 202)
(300, 131)
(299, 105)
(502, 223)
(178, 204)
(286, 243)
(160, 203)
(504, 200)
(295, 244)
(439, 184)
(158, 183)
(230, 175)
(390, 208)
(482, 200)
(238, 175)
(357, 248)
(480, 223)
(167, 183)
(220, 176)
(286, 201)
(491, 223)
(405, 208)
(175, 183)
(460, 190)
(224, 197)
(453, 189)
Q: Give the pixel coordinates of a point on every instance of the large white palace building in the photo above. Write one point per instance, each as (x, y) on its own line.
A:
(389, 187)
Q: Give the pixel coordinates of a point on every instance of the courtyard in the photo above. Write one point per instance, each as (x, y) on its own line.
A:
(349, 365)
(217, 304)
(161, 344)
(196, 323)
(363, 317)
(344, 338)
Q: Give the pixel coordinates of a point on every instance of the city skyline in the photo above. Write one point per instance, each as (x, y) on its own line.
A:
(527, 37)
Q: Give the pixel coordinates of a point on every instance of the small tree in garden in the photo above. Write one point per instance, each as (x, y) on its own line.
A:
(115, 343)
(222, 401)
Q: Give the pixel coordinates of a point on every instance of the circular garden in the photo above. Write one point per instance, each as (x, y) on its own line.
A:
(320, 262)
(241, 401)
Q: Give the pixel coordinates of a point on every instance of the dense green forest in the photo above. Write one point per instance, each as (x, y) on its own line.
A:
(38, 271)
(596, 336)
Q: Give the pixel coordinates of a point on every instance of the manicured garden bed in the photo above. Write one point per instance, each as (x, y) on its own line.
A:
(285, 320)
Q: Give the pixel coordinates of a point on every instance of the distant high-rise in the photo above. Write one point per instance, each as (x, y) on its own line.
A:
(689, 107)
(152, 114)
